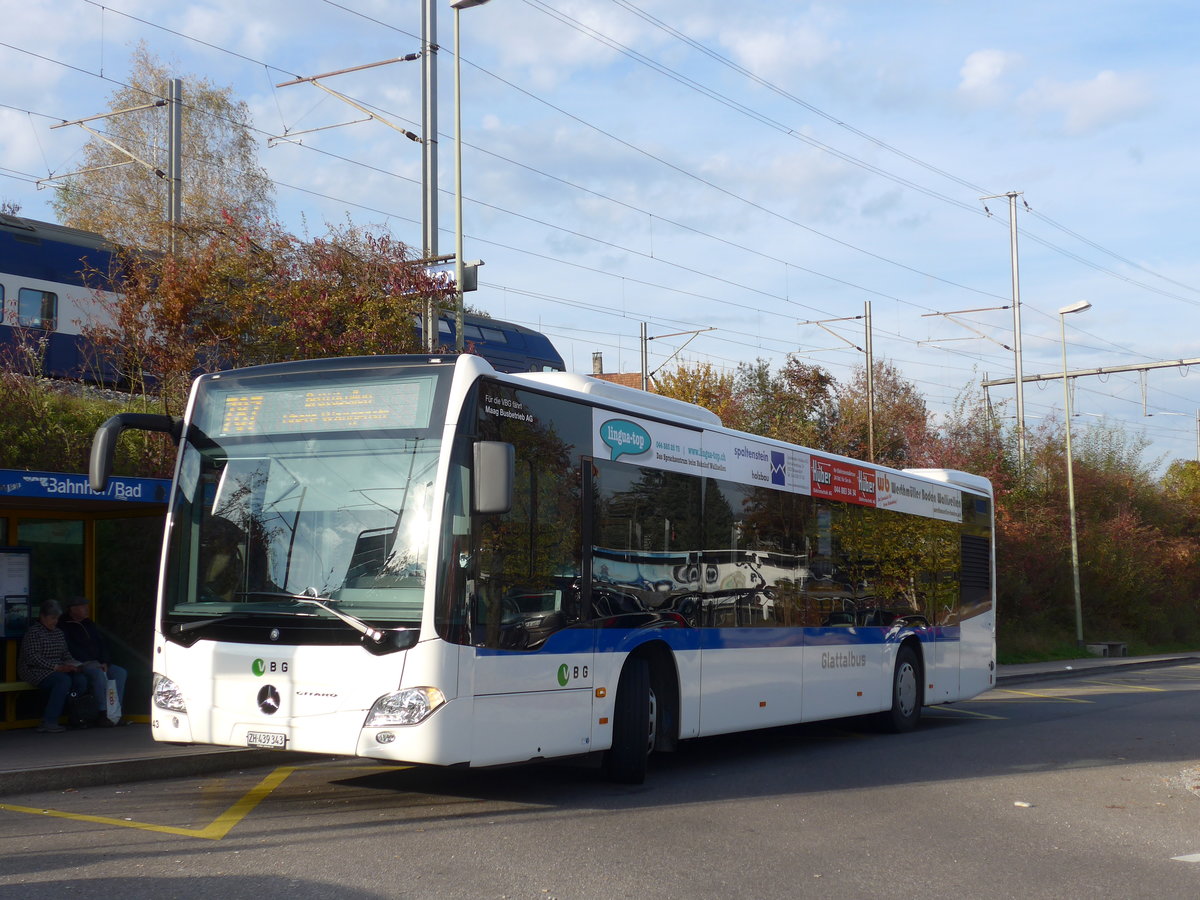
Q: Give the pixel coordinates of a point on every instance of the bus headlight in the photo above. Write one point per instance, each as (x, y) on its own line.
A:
(166, 694)
(406, 707)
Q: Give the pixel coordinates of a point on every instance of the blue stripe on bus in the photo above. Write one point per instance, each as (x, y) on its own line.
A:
(612, 640)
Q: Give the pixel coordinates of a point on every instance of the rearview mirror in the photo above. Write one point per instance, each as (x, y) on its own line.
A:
(492, 487)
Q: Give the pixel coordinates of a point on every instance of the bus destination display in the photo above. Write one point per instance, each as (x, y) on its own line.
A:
(402, 404)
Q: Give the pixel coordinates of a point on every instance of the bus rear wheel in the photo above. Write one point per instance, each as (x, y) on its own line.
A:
(906, 694)
(635, 724)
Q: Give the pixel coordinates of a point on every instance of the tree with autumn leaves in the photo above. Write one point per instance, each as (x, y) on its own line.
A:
(121, 189)
(237, 297)
(245, 296)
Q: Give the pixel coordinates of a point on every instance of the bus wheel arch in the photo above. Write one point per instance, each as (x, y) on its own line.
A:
(907, 689)
(645, 713)
(664, 686)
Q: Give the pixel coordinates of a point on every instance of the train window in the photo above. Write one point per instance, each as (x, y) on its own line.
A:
(37, 309)
(493, 335)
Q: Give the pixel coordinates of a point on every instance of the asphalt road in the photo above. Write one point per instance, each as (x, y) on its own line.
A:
(1081, 787)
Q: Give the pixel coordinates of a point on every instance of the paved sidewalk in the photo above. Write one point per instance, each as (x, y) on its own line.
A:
(32, 762)
(1066, 667)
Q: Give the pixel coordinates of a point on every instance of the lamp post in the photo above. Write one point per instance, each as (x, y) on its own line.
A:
(1079, 307)
(459, 324)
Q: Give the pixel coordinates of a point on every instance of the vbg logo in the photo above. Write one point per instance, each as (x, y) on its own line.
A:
(567, 673)
(261, 667)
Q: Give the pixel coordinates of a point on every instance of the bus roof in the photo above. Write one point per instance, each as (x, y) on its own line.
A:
(626, 396)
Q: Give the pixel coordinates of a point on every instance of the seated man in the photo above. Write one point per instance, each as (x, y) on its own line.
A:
(85, 643)
(46, 663)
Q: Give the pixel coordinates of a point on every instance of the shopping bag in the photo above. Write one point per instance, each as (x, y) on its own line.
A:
(114, 703)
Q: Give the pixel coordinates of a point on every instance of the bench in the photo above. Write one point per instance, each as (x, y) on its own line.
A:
(9, 690)
(1107, 648)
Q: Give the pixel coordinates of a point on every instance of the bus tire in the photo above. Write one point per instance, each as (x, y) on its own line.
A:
(906, 694)
(633, 728)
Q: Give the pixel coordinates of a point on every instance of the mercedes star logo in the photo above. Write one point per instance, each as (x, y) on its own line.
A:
(268, 699)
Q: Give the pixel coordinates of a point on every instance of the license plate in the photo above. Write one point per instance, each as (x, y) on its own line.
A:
(271, 740)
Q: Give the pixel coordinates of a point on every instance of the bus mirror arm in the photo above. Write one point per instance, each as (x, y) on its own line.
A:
(376, 641)
(393, 639)
(493, 477)
(104, 443)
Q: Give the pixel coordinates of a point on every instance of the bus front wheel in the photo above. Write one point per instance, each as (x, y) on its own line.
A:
(635, 721)
(906, 693)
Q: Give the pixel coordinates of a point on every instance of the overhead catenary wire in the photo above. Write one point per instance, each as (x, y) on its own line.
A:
(548, 224)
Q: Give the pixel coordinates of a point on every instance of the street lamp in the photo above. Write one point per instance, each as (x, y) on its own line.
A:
(459, 323)
(1079, 307)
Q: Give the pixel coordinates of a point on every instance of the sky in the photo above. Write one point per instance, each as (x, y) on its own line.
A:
(728, 174)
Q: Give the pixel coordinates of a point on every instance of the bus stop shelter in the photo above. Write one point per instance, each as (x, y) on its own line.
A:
(59, 539)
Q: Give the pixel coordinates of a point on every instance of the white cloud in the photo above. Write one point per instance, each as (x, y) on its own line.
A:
(982, 74)
(1088, 106)
(550, 50)
(776, 53)
(234, 24)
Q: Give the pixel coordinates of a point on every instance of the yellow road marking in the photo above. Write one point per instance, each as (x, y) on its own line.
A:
(218, 828)
(1057, 697)
(223, 823)
(958, 710)
(1130, 687)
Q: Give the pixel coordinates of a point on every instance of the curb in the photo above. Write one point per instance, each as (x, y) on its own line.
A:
(1070, 671)
(96, 774)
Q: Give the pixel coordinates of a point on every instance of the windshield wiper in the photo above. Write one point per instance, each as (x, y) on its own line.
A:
(202, 623)
(312, 598)
(382, 642)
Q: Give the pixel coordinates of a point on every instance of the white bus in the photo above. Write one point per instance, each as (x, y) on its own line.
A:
(423, 560)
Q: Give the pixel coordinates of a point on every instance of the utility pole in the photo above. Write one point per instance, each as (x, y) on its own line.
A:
(1016, 305)
(870, 385)
(645, 358)
(175, 161)
(429, 158)
(868, 351)
(174, 174)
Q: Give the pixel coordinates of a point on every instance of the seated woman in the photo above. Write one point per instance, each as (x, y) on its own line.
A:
(46, 663)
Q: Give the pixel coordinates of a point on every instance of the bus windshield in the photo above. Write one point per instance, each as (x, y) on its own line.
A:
(263, 521)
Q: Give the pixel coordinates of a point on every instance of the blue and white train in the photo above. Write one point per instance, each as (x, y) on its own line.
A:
(44, 291)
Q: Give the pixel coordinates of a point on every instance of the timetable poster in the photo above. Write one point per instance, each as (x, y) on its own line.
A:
(14, 588)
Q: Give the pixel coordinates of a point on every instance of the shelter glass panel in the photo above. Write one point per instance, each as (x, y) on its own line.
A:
(57, 568)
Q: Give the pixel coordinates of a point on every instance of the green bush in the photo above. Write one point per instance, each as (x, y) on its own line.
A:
(48, 426)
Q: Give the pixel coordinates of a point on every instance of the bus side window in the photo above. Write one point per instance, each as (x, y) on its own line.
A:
(527, 557)
(457, 591)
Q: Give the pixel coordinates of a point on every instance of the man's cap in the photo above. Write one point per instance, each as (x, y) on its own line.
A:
(78, 601)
